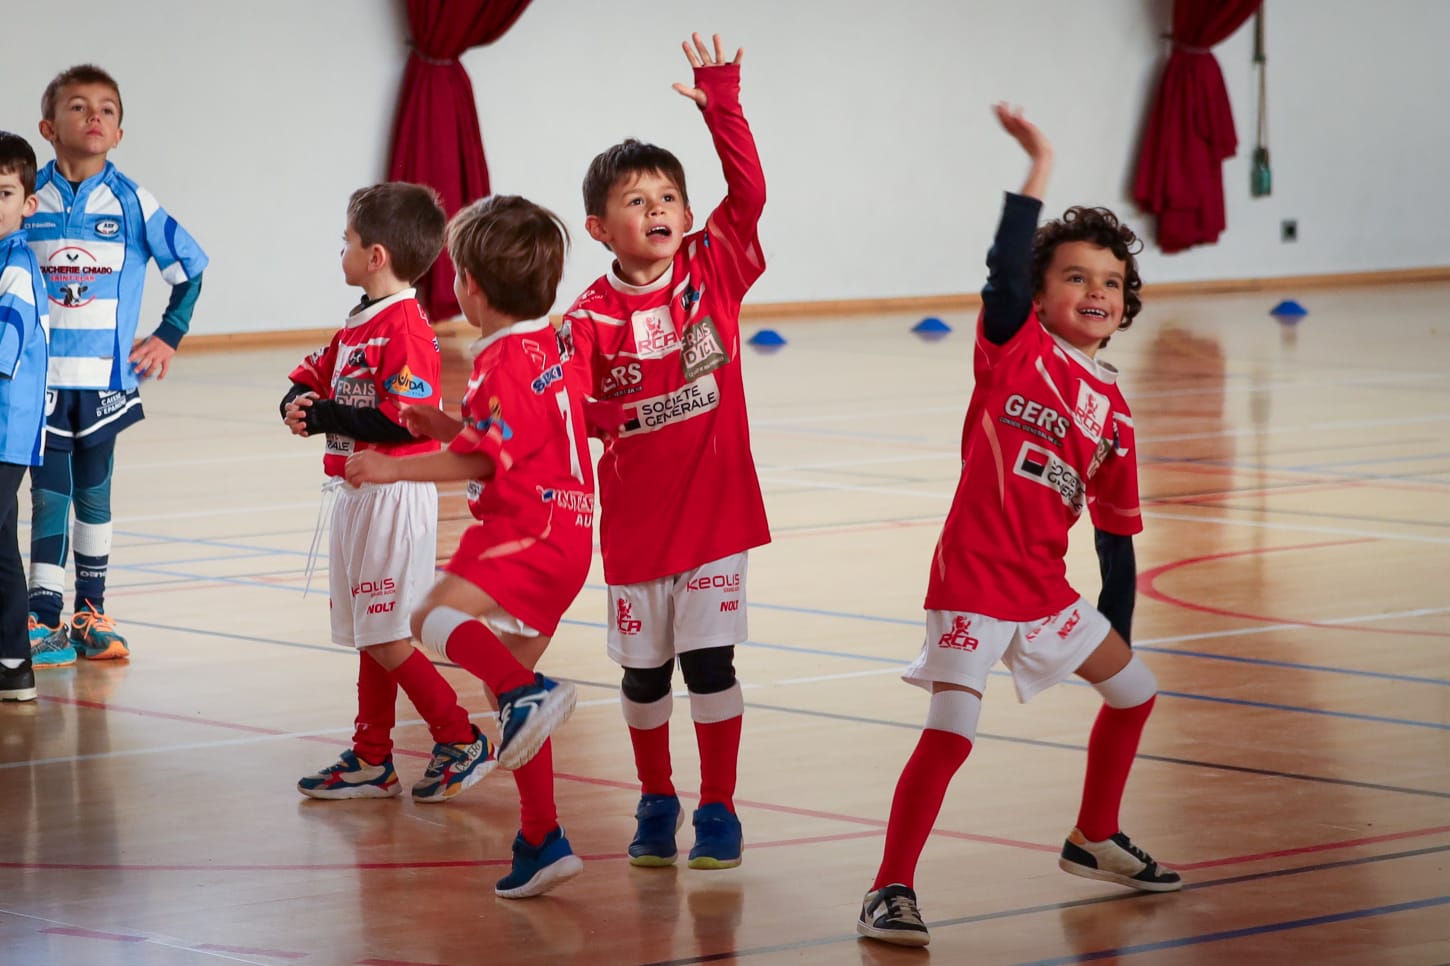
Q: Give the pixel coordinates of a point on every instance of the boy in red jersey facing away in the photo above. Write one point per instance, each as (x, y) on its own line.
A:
(658, 339)
(1047, 433)
(384, 538)
(522, 448)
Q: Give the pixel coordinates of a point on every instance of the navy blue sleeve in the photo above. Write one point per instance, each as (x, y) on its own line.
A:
(1007, 296)
(1119, 567)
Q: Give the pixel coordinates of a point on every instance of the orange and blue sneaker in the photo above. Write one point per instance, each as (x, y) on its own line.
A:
(352, 777)
(94, 636)
(50, 646)
(454, 768)
(538, 868)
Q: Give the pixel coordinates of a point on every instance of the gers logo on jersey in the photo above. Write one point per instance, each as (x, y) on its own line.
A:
(409, 386)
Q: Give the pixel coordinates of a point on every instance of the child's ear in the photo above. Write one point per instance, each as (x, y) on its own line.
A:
(377, 257)
(47, 130)
(689, 219)
(28, 207)
(594, 225)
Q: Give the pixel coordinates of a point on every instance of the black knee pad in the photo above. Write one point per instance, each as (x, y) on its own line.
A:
(709, 670)
(646, 685)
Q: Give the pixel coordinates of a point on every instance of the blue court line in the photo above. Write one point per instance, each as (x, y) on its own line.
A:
(1058, 906)
(857, 719)
(1292, 665)
(1226, 934)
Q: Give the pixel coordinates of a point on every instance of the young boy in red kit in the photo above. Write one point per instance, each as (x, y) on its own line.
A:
(384, 538)
(658, 340)
(1047, 434)
(522, 448)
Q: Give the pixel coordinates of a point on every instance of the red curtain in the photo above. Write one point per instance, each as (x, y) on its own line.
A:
(436, 140)
(1191, 128)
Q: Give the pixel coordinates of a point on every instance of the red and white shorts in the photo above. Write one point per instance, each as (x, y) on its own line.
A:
(961, 648)
(383, 548)
(533, 580)
(653, 621)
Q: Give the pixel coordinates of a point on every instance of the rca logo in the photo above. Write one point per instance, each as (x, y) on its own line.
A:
(382, 607)
(625, 620)
(959, 637)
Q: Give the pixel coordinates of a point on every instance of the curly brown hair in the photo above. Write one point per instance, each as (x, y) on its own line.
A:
(1096, 226)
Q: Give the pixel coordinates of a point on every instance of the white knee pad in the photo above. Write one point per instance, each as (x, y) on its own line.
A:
(720, 706)
(438, 626)
(954, 711)
(91, 539)
(647, 717)
(1130, 687)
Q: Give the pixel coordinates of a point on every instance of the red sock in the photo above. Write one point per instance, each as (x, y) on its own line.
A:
(377, 702)
(537, 815)
(1111, 749)
(652, 759)
(478, 651)
(719, 743)
(919, 794)
(435, 700)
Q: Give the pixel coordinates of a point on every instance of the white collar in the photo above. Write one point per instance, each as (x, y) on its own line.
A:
(362, 316)
(518, 328)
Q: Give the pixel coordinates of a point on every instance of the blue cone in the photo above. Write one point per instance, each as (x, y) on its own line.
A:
(1289, 308)
(931, 328)
(766, 340)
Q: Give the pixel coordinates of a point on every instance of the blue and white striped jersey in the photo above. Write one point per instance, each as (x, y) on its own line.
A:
(93, 244)
(23, 326)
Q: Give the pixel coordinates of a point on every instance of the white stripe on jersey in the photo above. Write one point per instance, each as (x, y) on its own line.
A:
(16, 281)
(98, 314)
(149, 204)
(77, 371)
(103, 201)
(598, 317)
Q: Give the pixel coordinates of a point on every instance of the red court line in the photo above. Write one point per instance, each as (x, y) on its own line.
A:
(92, 934)
(1304, 850)
(1244, 494)
(1147, 585)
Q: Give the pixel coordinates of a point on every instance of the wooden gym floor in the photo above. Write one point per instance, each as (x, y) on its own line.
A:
(1293, 602)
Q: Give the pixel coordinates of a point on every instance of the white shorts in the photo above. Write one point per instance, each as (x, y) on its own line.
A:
(961, 648)
(384, 548)
(652, 622)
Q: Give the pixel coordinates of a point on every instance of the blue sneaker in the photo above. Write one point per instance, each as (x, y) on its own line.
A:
(538, 868)
(50, 646)
(94, 636)
(528, 715)
(718, 839)
(351, 777)
(455, 768)
(659, 818)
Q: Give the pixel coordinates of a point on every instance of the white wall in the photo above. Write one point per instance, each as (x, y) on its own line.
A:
(253, 123)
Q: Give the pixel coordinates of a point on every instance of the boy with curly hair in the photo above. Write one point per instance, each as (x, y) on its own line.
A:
(1047, 435)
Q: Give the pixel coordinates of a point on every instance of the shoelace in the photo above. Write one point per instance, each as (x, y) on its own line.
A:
(903, 909)
(1137, 853)
(324, 522)
(93, 619)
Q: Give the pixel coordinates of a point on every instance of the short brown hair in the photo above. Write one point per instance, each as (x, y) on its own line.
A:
(18, 157)
(514, 249)
(628, 157)
(79, 74)
(406, 219)
(1096, 226)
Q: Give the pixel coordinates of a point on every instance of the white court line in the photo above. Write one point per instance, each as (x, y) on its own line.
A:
(1296, 527)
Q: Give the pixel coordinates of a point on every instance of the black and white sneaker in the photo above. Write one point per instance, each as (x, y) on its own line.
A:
(890, 915)
(17, 683)
(1116, 860)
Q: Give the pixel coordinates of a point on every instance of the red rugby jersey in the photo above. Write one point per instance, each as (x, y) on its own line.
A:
(385, 357)
(1047, 433)
(518, 411)
(677, 486)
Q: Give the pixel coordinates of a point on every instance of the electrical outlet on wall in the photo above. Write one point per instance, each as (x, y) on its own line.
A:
(1289, 230)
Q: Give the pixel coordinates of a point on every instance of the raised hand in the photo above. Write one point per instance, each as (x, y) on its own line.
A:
(701, 56)
(1033, 141)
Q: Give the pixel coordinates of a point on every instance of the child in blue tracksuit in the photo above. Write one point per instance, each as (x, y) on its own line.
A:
(23, 359)
(93, 231)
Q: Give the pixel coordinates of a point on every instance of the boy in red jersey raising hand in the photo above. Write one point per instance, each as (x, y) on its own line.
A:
(1047, 434)
(521, 447)
(657, 339)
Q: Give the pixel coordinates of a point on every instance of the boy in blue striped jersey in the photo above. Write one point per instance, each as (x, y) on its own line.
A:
(22, 400)
(93, 232)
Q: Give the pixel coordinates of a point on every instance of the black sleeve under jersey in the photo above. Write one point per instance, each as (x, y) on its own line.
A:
(297, 389)
(1119, 568)
(365, 424)
(1007, 296)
